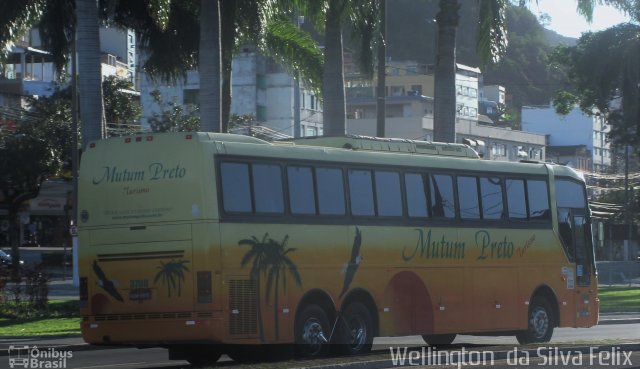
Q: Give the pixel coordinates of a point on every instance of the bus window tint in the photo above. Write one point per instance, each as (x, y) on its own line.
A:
(468, 197)
(491, 191)
(566, 233)
(361, 192)
(416, 195)
(236, 193)
(388, 194)
(442, 201)
(570, 194)
(301, 196)
(267, 188)
(330, 191)
(538, 196)
(516, 199)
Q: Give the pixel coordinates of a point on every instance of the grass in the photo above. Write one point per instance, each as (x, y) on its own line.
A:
(619, 299)
(59, 318)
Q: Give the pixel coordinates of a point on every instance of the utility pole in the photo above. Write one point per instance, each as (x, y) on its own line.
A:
(382, 61)
(296, 92)
(75, 161)
(627, 203)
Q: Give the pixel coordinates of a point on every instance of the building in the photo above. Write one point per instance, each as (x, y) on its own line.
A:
(576, 128)
(409, 112)
(411, 117)
(259, 87)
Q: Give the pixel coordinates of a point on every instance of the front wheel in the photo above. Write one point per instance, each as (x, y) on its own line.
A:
(541, 321)
(356, 333)
(312, 332)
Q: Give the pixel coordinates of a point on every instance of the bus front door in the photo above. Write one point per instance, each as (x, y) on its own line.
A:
(586, 291)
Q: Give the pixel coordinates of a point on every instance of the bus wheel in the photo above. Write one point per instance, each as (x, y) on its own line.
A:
(439, 339)
(356, 333)
(312, 332)
(204, 355)
(540, 323)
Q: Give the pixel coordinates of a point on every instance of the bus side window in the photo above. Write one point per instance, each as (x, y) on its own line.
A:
(267, 188)
(388, 194)
(491, 191)
(538, 195)
(442, 199)
(330, 189)
(516, 200)
(236, 190)
(361, 192)
(301, 193)
(468, 197)
(417, 191)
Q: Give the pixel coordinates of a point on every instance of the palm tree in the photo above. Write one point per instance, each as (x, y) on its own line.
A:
(91, 104)
(209, 66)
(172, 275)
(330, 15)
(491, 42)
(279, 263)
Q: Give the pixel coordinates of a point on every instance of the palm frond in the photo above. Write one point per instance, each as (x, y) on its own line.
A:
(16, 19)
(296, 51)
(491, 36)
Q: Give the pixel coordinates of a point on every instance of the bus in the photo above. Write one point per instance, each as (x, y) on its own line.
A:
(207, 243)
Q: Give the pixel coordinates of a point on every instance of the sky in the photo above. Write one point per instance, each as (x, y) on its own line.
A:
(566, 21)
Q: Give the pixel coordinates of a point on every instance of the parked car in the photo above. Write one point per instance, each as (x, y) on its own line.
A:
(6, 261)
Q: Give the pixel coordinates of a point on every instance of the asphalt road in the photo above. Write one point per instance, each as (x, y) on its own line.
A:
(566, 337)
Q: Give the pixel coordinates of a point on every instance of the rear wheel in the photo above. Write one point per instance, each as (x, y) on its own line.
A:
(356, 333)
(541, 321)
(439, 339)
(198, 355)
(312, 332)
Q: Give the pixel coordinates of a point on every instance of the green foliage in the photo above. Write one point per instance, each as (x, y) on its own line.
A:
(564, 102)
(243, 120)
(605, 75)
(174, 117)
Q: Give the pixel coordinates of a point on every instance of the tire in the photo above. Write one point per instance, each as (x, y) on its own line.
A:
(203, 355)
(356, 330)
(312, 332)
(439, 339)
(541, 321)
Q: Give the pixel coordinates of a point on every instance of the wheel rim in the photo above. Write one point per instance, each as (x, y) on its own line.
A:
(357, 332)
(313, 335)
(539, 322)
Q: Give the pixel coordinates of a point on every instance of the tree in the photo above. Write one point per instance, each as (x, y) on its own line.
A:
(209, 66)
(173, 117)
(605, 75)
(491, 43)
(329, 16)
(42, 143)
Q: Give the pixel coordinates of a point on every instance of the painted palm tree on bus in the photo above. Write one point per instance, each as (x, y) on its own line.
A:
(491, 43)
(171, 274)
(269, 259)
(279, 264)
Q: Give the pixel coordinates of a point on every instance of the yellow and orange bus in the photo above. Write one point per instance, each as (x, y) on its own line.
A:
(204, 243)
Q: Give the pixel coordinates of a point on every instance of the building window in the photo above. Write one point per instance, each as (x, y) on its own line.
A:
(397, 90)
(261, 113)
(417, 89)
(191, 97)
(473, 92)
(473, 112)
(261, 82)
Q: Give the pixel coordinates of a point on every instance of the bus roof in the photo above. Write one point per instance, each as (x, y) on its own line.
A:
(354, 142)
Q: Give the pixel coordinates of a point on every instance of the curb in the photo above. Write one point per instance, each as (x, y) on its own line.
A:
(619, 321)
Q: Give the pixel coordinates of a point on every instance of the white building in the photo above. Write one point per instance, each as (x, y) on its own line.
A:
(259, 86)
(576, 128)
